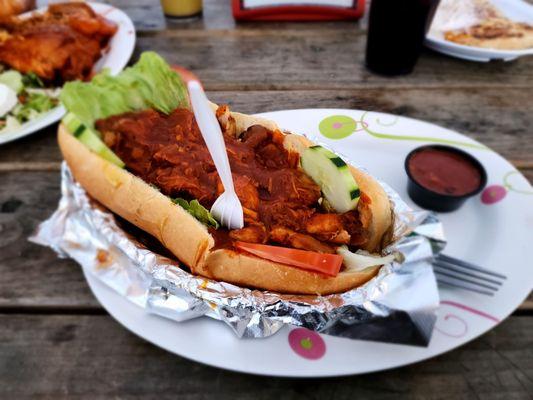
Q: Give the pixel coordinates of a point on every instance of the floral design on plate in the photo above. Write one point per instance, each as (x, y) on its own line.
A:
(369, 128)
(452, 325)
(495, 193)
(337, 126)
(307, 344)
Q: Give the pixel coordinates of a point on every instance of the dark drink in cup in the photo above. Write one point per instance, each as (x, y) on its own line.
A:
(396, 31)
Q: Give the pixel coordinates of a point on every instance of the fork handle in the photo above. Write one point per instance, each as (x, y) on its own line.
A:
(211, 132)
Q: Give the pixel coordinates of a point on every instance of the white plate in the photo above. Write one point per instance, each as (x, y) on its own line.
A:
(516, 10)
(115, 58)
(494, 234)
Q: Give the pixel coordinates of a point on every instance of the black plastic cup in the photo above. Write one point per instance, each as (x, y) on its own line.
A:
(431, 200)
(396, 32)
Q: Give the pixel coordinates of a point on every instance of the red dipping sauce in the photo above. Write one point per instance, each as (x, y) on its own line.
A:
(444, 172)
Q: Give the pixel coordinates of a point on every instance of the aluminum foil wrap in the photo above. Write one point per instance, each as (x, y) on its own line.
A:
(397, 306)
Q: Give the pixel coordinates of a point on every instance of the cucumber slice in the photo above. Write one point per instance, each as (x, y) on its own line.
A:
(91, 139)
(71, 122)
(13, 79)
(333, 176)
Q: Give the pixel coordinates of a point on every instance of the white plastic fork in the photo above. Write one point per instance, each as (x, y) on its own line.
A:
(227, 209)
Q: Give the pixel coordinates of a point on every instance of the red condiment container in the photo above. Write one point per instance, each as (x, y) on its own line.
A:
(444, 178)
(281, 10)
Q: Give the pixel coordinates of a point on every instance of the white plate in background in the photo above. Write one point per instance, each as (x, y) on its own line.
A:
(516, 10)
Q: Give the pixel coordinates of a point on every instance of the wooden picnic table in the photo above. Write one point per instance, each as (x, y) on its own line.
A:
(56, 341)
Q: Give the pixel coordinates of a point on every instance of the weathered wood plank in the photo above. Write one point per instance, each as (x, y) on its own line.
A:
(92, 357)
(146, 15)
(294, 55)
(500, 118)
(33, 276)
(275, 58)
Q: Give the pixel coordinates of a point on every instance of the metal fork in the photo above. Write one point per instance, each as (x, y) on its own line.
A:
(461, 274)
(227, 208)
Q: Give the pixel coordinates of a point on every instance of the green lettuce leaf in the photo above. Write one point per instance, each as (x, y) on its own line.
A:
(31, 80)
(35, 103)
(197, 211)
(150, 83)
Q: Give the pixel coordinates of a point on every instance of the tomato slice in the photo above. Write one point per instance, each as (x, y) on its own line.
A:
(328, 264)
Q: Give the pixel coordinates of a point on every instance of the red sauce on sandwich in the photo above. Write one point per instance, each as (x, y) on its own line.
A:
(280, 201)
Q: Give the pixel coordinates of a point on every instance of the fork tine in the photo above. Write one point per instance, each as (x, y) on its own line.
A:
(228, 211)
(464, 264)
(454, 268)
(461, 278)
(233, 210)
(214, 210)
(224, 213)
(218, 209)
(461, 285)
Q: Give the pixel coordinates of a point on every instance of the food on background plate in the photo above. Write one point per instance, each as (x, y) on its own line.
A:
(58, 46)
(313, 224)
(23, 98)
(41, 52)
(495, 33)
(479, 23)
(14, 7)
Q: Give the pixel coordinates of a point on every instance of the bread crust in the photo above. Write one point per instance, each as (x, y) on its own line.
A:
(189, 240)
(249, 271)
(136, 201)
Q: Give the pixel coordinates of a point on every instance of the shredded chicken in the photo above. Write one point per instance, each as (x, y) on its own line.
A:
(256, 233)
(299, 240)
(226, 121)
(328, 227)
(280, 202)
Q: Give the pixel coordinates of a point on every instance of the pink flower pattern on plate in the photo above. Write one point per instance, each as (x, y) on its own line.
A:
(493, 194)
(307, 344)
(456, 326)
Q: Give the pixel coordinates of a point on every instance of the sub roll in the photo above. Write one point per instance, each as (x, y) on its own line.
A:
(312, 222)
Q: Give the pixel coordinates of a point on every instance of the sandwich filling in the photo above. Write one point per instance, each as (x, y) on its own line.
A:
(282, 205)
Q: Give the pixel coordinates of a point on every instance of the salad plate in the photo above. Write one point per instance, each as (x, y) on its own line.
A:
(515, 10)
(114, 58)
(493, 229)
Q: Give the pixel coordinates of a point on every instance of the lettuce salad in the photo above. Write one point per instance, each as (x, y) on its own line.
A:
(23, 98)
